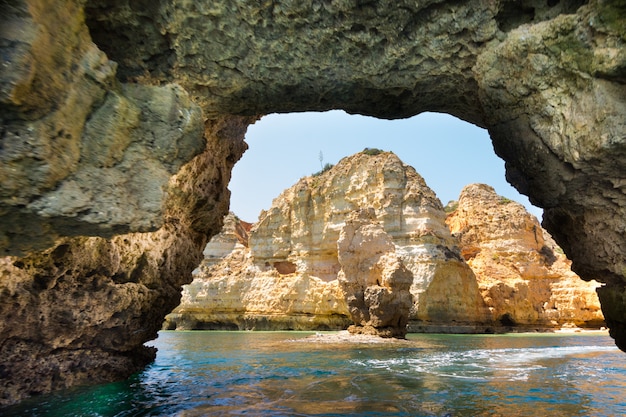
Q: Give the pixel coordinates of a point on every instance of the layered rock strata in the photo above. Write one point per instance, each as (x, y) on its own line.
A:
(313, 254)
(231, 291)
(523, 276)
(545, 78)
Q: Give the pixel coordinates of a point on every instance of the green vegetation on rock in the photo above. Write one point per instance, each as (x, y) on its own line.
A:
(372, 151)
(326, 167)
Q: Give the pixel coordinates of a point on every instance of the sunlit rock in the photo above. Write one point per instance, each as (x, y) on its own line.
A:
(373, 278)
(231, 291)
(523, 275)
(304, 269)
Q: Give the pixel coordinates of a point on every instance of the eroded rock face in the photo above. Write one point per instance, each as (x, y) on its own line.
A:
(304, 225)
(232, 291)
(518, 278)
(546, 79)
(373, 277)
(524, 277)
(313, 261)
(82, 154)
(79, 313)
(556, 117)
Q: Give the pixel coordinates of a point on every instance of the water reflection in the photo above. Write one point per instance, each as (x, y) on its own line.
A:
(434, 375)
(222, 373)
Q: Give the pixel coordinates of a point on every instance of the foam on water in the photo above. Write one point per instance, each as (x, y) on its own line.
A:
(482, 364)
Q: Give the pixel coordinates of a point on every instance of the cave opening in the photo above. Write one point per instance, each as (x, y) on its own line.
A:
(476, 65)
(282, 148)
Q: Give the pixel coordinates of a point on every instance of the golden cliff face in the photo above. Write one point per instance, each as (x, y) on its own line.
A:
(373, 278)
(524, 277)
(232, 291)
(292, 263)
(321, 258)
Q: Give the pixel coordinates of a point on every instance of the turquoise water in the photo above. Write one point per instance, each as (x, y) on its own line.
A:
(270, 374)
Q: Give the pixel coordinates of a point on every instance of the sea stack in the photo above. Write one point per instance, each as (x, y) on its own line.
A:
(373, 278)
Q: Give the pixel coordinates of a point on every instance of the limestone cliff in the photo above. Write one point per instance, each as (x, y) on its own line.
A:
(524, 277)
(104, 104)
(107, 193)
(231, 291)
(373, 278)
(79, 312)
(293, 262)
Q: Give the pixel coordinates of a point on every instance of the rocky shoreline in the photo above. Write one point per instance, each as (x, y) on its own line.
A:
(344, 337)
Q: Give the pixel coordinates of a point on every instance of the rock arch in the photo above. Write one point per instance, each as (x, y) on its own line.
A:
(133, 140)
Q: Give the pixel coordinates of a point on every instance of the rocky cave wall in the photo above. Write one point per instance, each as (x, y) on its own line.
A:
(122, 117)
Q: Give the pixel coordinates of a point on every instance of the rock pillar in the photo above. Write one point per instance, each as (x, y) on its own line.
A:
(374, 280)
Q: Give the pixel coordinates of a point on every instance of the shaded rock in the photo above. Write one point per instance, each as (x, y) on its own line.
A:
(80, 312)
(81, 153)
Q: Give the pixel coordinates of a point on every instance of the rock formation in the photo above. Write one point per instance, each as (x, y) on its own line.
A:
(102, 106)
(313, 260)
(230, 291)
(80, 311)
(524, 277)
(373, 278)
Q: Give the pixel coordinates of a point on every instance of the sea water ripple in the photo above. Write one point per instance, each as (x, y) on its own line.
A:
(267, 374)
(486, 364)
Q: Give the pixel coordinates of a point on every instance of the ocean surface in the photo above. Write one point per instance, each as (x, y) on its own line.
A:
(274, 374)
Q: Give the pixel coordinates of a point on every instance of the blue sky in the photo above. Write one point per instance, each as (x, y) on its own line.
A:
(448, 152)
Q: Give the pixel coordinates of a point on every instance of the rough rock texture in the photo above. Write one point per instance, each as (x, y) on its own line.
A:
(80, 312)
(304, 224)
(232, 291)
(546, 78)
(373, 277)
(557, 119)
(523, 275)
(293, 273)
(82, 154)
